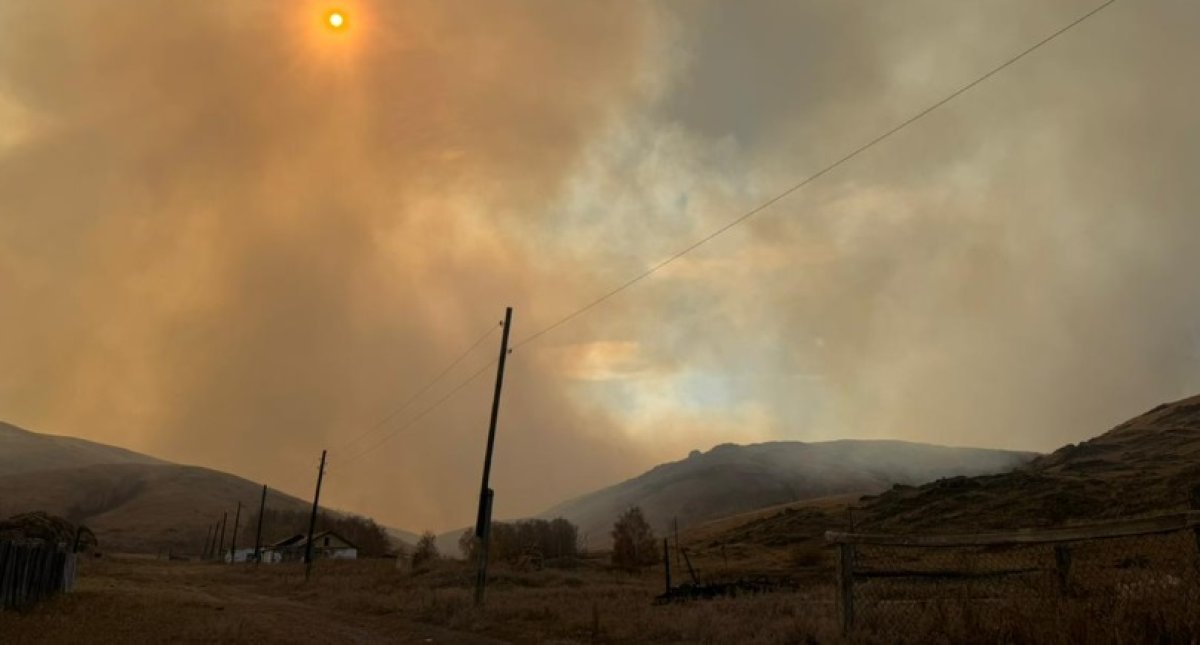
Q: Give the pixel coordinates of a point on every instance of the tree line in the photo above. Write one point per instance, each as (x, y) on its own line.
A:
(634, 543)
(535, 539)
(370, 538)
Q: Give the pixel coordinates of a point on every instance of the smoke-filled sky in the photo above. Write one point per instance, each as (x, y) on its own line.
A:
(231, 236)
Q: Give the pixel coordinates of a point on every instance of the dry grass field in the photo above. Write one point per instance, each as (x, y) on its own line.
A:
(369, 601)
(144, 600)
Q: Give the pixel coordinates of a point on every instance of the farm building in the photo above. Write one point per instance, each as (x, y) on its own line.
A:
(241, 555)
(326, 545)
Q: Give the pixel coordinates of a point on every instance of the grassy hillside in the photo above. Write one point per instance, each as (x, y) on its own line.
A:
(732, 479)
(24, 451)
(140, 507)
(1145, 465)
(134, 503)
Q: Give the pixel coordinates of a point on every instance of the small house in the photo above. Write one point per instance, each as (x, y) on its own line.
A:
(326, 545)
(285, 550)
(241, 555)
(331, 546)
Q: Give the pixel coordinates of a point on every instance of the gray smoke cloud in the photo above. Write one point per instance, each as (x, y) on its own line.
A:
(231, 237)
(1011, 271)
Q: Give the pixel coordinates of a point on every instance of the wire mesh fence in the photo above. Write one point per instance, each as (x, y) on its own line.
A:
(32, 570)
(1129, 570)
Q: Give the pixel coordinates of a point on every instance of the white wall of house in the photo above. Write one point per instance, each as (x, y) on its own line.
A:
(241, 555)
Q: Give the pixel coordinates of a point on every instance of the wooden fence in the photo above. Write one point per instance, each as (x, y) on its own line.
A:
(933, 565)
(32, 570)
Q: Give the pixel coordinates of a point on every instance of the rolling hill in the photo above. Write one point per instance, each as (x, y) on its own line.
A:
(23, 451)
(732, 479)
(133, 502)
(1145, 465)
(1149, 464)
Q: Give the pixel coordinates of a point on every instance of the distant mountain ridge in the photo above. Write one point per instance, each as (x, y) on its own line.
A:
(732, 479)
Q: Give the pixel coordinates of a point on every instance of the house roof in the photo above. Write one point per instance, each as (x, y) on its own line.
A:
(318, 536)
(286, 542)
(300, 541)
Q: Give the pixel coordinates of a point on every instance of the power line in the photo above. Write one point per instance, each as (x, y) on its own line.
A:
(811, 178)
(449, 395)
(391, 415)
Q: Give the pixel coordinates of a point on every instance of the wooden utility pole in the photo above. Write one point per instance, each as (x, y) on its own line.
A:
(212, 532)
(667, 566)
(262, 507)
(207, 541)
(312, 520)
(676, 520)
(221, 544)
(237, 519)
(212, 547)
(483, 520)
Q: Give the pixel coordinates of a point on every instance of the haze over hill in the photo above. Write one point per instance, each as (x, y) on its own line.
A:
(1147, 464)
(24, 451)
(732, 479)
(1143, 466)
(132, 502)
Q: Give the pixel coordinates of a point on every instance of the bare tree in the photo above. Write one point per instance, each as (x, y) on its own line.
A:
(426, 550)
(633, 541)
(468, 545)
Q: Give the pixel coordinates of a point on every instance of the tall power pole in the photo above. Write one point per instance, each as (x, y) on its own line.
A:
(262, 507)
(237, 519)
(211, 549)
(221, 544)
(483, 520)
(312, 520)
(207, 540)
(677, 566)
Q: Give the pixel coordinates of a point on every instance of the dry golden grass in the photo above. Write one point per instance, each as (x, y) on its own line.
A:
(372, 601)
(583, 605)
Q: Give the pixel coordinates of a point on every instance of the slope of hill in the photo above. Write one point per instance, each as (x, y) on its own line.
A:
(1145, 465)
(732, 479)
(140, 507)
(132, 502)
(24, 451)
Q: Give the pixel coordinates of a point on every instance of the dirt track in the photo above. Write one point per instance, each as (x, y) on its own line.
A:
(153, 601)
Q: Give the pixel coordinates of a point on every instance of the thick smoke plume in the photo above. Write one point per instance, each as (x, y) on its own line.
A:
(230, 236)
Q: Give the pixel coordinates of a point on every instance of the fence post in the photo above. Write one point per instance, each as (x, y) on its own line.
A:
(691, 571)
(845, 585)
(1062, 564)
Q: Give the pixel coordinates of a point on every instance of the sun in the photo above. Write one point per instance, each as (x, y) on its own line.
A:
(336, 20)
